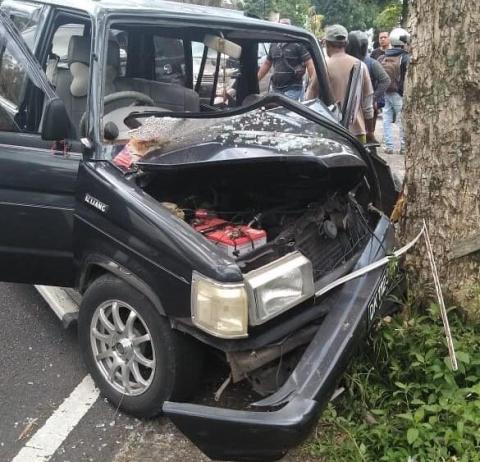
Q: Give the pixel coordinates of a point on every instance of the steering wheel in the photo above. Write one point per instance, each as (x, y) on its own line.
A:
(117, 100)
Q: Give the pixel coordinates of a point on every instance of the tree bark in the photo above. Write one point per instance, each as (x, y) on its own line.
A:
(442, 119)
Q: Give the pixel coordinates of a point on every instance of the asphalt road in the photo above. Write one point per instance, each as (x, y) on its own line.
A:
(40, 367)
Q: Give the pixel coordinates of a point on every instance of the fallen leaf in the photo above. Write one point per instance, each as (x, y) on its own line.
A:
(28, 428)
(370, 419)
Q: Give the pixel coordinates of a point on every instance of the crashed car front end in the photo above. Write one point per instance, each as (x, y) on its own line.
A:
(292, 201)
(284, 419)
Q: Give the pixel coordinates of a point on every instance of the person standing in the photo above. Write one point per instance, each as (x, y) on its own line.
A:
(290, 61)
(395, 62)
(384, 45)
(358, 47)
(339, 66)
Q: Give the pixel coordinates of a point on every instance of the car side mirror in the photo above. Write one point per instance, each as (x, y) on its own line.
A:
(56, 124)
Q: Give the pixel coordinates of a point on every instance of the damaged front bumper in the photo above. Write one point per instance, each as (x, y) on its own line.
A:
(289, 414)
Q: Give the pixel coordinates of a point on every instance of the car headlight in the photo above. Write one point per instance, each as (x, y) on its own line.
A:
(279, 286)
(221, 309)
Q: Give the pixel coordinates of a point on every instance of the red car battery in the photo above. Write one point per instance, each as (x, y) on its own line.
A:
(235, 240)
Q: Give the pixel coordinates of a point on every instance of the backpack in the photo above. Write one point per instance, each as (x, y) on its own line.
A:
(288, 72)
(392, 66)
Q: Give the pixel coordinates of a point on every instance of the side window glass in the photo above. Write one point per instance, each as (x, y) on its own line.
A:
(13, 77)
(25, 16)
(17, 112)
(169, 60)
(61, 39)
(67, 66)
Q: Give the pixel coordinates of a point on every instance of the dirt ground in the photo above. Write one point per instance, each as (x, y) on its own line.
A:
(161, 441)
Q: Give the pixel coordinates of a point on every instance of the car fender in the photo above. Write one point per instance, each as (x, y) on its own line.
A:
(93, 262)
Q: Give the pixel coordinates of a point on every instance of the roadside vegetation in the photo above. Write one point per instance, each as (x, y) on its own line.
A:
(353, 14)
(402, 401)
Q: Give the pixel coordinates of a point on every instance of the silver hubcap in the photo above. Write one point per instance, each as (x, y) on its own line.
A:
(122, 347)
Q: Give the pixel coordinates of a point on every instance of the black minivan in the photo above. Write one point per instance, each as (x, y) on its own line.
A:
(174, 226)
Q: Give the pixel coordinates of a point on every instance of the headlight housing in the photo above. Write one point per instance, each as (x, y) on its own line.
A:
(278, 286)
(221, 309)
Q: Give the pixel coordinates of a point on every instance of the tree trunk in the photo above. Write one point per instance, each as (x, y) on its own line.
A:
(442, 118)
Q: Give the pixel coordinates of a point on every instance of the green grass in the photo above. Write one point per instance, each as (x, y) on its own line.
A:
(402, 401)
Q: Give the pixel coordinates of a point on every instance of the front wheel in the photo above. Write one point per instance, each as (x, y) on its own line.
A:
(134, 356)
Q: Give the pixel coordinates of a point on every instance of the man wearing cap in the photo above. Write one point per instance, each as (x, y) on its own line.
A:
(339, 66)
(290, 61)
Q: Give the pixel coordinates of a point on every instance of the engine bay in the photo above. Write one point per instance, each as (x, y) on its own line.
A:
(262, 222)
(327, 234)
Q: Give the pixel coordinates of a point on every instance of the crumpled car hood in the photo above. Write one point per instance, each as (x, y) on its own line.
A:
(260, 135)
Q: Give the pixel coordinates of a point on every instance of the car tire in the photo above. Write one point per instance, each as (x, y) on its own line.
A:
(135, 377)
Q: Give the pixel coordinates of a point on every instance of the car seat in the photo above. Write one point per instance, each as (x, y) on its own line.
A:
(170, 96)
(72, 84)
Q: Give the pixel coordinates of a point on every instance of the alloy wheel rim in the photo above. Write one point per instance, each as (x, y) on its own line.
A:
(122, 347)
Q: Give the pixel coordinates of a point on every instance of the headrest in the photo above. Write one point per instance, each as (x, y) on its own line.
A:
(113, 54)
(80, 78)
(79, 50)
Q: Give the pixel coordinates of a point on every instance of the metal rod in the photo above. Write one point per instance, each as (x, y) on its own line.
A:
(202, 69)
(215, 79)
(441, 302)
(223, 386)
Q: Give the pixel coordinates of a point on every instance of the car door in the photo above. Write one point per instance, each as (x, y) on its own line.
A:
(37, 180)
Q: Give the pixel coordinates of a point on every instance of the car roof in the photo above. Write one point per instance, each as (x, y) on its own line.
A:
(171, 8)
(141, 5)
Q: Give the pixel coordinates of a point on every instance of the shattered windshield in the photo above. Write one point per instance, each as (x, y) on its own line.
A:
(208, 71)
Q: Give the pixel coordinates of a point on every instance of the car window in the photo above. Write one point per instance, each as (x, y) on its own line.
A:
(15, 113)
(12, 76)
(197, 51)
(25, 16)
(220, 73)
(225, 90)
(68, 45)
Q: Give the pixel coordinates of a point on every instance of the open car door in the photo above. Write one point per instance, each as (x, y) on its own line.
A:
(37, 182)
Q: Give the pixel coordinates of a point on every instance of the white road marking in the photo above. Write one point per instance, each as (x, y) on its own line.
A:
(43, 444)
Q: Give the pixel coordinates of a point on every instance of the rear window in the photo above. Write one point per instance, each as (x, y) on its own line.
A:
(62, 37)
